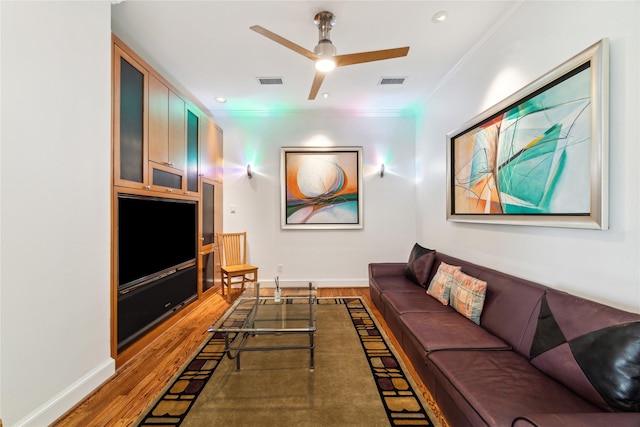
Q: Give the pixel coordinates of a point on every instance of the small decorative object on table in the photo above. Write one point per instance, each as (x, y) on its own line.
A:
(276, 295)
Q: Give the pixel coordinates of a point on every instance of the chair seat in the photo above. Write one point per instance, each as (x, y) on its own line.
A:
(239, 268)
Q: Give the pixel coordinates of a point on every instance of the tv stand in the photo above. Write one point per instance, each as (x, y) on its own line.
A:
(144, 307)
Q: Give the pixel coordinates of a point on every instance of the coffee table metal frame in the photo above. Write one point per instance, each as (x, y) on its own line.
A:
(255, 303)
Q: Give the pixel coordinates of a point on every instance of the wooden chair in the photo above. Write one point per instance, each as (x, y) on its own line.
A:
(232, 250)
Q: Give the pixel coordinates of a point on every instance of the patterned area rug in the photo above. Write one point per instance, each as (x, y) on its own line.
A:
(358, 380)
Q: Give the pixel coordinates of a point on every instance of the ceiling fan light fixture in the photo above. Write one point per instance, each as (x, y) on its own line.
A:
(326, 52)
(325, 64)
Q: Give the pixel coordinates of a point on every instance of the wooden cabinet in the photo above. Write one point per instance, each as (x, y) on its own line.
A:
(130, 136)
(210, 150)
(164, 146)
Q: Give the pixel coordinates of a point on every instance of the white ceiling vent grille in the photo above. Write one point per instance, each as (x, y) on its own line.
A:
(270, 80)
(391, 80)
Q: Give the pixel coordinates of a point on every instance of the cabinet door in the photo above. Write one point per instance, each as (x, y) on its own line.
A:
(166, 179)
(167, 138)
(217, 212)
(177, 133)
(208, 148)
(192, 151)
(210, 214)
(210, 271)
(218, 142)
(210, 224)
(158, 121)
(130, 136)
(208, 205)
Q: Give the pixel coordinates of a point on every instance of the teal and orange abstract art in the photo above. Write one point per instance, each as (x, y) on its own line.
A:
(532, 158)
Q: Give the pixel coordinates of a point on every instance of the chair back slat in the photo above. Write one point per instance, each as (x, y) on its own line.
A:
(233, 248)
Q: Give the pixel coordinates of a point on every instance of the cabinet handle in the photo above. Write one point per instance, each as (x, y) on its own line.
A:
(167, 305)
(147, 187)
(170, 190)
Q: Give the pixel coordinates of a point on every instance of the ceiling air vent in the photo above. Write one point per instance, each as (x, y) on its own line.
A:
(270, 80)
(391, 80)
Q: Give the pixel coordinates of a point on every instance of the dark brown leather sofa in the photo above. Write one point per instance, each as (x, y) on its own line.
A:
(539, 357)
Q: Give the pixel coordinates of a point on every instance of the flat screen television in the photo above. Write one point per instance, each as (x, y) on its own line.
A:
(155, 236)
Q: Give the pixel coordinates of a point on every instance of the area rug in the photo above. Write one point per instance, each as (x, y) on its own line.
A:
(358, 380)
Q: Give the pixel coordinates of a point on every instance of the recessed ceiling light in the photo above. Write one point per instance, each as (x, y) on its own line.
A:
(221, 100)
(326, 95)
(439, 17)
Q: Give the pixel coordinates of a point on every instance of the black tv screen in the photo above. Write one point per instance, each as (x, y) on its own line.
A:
(155, 235)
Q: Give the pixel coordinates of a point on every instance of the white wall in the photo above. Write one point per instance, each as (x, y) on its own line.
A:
(601, 265)
(331, 257)
(55, 207)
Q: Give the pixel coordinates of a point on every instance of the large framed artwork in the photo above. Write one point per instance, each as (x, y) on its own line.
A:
(321, 187)
(540, 157)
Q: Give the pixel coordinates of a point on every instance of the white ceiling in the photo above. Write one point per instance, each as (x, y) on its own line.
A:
(206, 49)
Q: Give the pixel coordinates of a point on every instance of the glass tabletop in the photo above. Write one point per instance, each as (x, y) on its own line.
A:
(261, 309)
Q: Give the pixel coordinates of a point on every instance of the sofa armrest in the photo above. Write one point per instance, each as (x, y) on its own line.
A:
(379, 269)
(598, 419)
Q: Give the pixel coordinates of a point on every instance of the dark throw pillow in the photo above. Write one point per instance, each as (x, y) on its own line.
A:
(420, 264)
(602, 366)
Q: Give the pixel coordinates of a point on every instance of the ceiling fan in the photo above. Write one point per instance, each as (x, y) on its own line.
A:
(324, 54)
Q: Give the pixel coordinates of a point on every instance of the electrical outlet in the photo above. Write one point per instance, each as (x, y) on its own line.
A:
(279, 268)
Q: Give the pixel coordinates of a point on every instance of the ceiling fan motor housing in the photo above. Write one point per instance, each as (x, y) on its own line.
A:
(325, 22)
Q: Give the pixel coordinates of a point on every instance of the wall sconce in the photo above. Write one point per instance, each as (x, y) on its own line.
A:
(381, 170)
(249, 171)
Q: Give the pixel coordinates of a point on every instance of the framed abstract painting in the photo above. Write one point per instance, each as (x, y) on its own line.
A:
(540, 157)
(321, 187)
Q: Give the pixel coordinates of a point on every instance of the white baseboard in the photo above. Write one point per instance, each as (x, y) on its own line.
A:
(69, 397)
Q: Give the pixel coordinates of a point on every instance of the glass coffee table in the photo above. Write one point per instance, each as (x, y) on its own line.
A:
(259, 312)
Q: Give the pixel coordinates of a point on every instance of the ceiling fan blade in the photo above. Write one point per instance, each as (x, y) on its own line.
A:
(284, 42)
(374, 55)
(318, 78)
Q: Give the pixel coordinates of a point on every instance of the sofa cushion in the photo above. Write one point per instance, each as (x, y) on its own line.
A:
(591, 348)
(467, 296)
(420, 263)
(413, 302)
(445, 331)
(440, 285)
(394, 283)
(500, 386)
(511, 307)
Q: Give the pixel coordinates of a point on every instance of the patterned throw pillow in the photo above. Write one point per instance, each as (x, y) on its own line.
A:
(467, 296)
(441, 283)
(420, 264)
